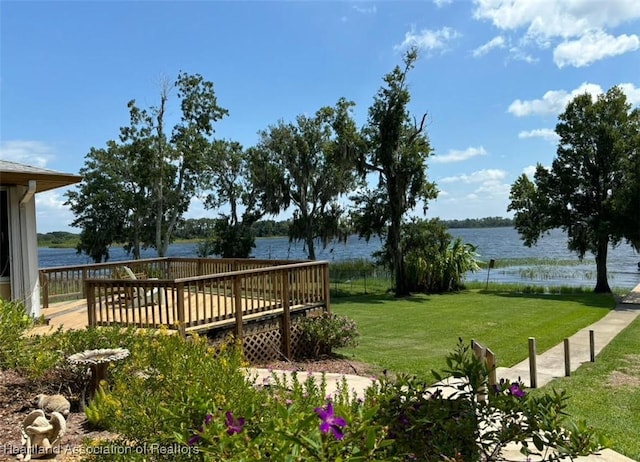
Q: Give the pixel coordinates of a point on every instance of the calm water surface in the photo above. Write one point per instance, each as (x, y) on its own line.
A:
(496, 243)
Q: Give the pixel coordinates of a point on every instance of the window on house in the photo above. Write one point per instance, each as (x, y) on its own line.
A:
(4, 235)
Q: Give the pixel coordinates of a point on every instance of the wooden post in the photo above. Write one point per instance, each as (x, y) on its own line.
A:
(480, 352)
(237, 295)
(492, 365)
(84, 278)
(286, 316)
(567, 358)
(91, 305)
(327, 301)
(44, 287)
(181, 317)
(592, 346)
(533, 370)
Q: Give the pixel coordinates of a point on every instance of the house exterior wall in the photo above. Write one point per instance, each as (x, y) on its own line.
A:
(25, 284)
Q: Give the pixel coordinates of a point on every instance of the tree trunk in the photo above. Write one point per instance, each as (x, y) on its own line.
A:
(602, 283)
(402, 287)
(311, 247)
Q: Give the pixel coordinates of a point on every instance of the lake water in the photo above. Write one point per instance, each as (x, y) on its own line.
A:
(496, 243)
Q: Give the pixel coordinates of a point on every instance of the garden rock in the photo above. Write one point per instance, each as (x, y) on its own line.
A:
(53, 403)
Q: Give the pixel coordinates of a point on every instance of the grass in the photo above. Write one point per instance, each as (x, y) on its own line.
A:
(414, 335)
(531, 261)
(607, 393)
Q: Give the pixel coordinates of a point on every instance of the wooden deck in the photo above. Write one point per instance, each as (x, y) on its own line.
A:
(66, 315)
(186, 295)
(73, 315)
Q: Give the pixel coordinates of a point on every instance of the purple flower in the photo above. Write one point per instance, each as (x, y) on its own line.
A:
(330, 422)
(195, 438)
(234, 425)
(516, 391)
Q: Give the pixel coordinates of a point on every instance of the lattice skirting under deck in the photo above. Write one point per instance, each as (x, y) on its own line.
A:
(263, 338)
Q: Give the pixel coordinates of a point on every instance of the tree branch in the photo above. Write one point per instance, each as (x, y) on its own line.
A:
(418, 129)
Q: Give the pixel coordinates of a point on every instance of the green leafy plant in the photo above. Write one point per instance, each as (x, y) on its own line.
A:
(14, 322)
(328, 331)
(424, 424)
(538, 422)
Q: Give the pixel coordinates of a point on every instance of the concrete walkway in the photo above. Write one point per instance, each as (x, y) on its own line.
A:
(550, 364)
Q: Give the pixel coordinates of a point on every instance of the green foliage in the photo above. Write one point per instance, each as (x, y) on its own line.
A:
(184, 399)
(228, 240)
(44, 357)
(396, 150)
(424, 424)
(57, 239)
(433, 261)
(104, 408)
(216, 414)
(538, 422)
(486, 222)
(591, 189)
(231, 174)
(14, 322)
(310, 164)
(136, 190)
(328, 331)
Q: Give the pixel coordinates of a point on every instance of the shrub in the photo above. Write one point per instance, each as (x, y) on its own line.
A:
(427, 425)
(14, 322)
(190, 401)
(327, 331)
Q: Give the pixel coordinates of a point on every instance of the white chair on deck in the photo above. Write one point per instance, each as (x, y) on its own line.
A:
(140, 296)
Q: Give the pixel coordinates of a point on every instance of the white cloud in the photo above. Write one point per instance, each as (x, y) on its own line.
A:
(560, 18)
(552, 102)
(592, 47)
(633, 93)
(34, 153)
(52, 214)
(429, 40)
(496, 42)
(365, 9)
(197, 209)
(480, 194)
(519, 54)
(577, 25)
(530, 170)
(493, 189)
(544, 133)
(441, 3)
(458, 156)
(480, 176)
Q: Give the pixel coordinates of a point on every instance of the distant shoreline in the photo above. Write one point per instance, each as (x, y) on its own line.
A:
(67, 240)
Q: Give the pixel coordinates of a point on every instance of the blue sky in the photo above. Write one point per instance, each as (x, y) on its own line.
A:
(492, 75)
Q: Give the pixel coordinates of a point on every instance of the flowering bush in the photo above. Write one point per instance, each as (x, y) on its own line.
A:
(186, 394)
(328, 331)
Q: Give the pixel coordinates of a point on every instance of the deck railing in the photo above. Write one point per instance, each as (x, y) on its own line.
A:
(204, 302)
(68, 282)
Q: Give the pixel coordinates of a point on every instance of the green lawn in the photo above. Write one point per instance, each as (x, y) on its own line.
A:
(607, 393)
(415, 334)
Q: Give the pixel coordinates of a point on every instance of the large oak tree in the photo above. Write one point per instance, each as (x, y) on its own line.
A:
(137, 189)
(309, 164)
(591, 190)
